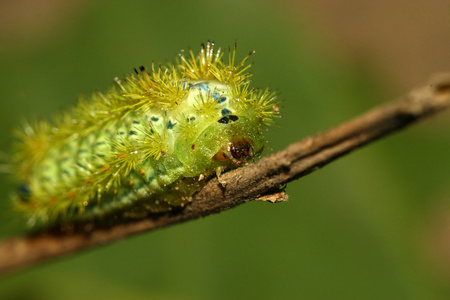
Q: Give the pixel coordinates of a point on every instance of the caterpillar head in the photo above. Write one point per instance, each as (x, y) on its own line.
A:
(222, 145)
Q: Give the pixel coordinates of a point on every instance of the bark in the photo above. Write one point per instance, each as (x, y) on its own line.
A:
(263, 180)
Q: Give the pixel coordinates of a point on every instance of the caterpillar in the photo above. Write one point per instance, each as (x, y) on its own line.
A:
(144, 146)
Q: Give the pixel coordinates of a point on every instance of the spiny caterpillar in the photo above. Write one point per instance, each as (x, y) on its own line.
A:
(144, 146)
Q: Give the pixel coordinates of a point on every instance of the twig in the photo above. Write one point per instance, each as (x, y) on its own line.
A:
(262, 180)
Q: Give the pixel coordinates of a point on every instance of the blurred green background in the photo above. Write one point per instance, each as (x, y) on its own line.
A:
(373, 225)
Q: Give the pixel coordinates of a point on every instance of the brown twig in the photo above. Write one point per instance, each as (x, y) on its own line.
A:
(262, 180)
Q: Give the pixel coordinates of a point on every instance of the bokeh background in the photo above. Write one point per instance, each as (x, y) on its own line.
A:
(373, 225)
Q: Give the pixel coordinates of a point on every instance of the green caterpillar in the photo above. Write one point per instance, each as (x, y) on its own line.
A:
(144, 146)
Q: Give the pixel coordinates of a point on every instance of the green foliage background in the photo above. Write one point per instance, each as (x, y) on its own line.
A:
(362, 228)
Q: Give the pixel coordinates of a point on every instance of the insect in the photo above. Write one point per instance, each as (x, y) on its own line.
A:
(144, 146)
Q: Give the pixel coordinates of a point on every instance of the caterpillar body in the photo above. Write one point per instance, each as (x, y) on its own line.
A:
(144, 146)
